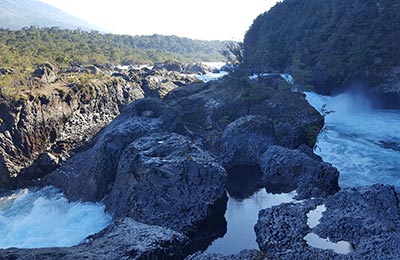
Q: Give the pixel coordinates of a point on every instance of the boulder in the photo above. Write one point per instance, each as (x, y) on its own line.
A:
(123, 239)
(46, 72)
(293, 169)
(365, 217)
(166, 180)
(245, 139)
(89, 175)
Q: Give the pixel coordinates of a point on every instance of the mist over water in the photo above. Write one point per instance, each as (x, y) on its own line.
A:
(45, 218)
(362, 142)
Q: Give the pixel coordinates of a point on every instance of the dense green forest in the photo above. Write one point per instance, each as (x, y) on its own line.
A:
(23, 49)
(326, 42)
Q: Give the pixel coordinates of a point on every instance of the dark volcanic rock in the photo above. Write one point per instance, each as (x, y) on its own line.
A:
(294, 169)
(123, 239)
(46, 72)
(366, 217)
(58, 121)
(242, 255)
(245, 139)
(164, 179)
(90, 174)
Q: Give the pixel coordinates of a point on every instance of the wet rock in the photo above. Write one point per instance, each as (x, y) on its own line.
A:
(293, 169)
(123, 239)
(367, 217)
(242, 255)
(164, 179)
(245, 139)
(46, 72)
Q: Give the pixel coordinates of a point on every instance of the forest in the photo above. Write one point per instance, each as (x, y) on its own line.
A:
(326, 42)
(23, 49)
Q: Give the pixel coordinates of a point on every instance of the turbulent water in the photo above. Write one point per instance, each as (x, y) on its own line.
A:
(361, 142)
(45, 218)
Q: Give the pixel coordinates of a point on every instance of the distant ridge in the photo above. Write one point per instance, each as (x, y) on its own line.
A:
(16, 14)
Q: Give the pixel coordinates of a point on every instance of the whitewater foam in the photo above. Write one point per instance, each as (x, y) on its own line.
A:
(44, 218)
(361, 142)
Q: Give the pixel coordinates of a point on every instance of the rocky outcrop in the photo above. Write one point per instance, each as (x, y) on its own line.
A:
(89, 175)
(58, 121)
(245, 139)
(366, 217)
(293, 169)
(47, 73)
(243, 255)
(158, 178)
(123, 239)
(59, 118)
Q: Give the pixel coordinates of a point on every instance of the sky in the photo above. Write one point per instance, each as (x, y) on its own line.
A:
(205, 19)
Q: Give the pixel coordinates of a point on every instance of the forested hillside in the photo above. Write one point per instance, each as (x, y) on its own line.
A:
(326, 42)
(29, 46)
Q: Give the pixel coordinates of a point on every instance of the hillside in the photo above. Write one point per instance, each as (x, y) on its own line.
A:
(29, 46)
(16, 14)
(327, 44)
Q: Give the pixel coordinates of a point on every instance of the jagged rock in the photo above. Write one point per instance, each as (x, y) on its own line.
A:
(58, 121)
(46, 72)
(245, 139)
(293, 169)
(45, 163)
(164, 179)
(366, 217)
(123, 239)
(242, 255)
(89, 175)
(169, 66)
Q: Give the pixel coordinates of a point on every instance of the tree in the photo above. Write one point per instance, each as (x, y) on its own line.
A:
(233, 52)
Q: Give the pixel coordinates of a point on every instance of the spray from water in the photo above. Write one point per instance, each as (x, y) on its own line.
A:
(45, 218)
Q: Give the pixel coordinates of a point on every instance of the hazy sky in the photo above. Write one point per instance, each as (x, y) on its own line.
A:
(204, 19)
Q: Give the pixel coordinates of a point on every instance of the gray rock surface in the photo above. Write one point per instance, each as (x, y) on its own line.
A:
(90, 174)
(367, 217)
(245, 139)
(293, 169)
(164, 179)
(47, 73)
(123, 239)
(242, 255)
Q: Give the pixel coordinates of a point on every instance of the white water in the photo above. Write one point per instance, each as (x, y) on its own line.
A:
(314, 217)
(241, 216)
(361, 142)
(45, 218)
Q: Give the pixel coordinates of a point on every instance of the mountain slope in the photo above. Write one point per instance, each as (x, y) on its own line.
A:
(16, 14)
(328, 44)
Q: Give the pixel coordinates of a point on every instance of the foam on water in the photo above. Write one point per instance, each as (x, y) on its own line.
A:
(45, 218)
(361, 142)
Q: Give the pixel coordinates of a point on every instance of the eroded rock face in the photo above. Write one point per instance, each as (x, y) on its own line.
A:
(296, 170)
(47, 73)
(123, 239)
(367, 217)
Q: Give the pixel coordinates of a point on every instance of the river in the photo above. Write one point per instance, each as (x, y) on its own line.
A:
(363, 143)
